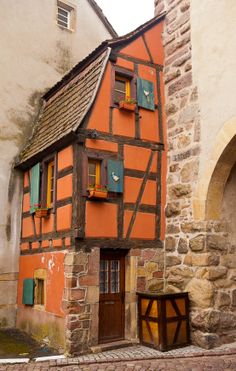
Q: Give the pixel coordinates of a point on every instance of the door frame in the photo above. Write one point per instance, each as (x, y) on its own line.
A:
(113, 254)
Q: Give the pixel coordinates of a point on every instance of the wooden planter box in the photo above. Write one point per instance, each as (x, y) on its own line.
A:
(163, 320)
(96, 193)
(41, 213)
(126, 106)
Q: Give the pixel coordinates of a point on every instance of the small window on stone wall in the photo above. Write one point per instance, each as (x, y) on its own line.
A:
(65, 15)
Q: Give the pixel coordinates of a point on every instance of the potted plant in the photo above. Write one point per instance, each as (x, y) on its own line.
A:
(127, 104)
(41, 212)
(97, 191)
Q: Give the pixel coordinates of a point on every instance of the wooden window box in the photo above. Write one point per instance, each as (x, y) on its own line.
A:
(163, 320)
(123, 105)
(41, 213)
(97, 193)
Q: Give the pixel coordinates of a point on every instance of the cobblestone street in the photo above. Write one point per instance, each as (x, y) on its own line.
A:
(140, 358)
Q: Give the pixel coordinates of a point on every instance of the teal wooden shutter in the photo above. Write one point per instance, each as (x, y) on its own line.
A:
(115, 176)
(28, 291)
(145, 93)
(34, 187)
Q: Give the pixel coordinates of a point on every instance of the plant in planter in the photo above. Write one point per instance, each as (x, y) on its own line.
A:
(97, 191)
(41, 212)
(127, 104)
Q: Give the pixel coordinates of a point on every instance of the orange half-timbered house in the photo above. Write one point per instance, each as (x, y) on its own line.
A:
(93, 197)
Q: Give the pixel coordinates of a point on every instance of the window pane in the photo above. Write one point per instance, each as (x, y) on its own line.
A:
(118, 96)
(120, 85)
(94, 172)
(63, 17)
(115, 276)
(92, 168)
(62, 12)
(103, 276)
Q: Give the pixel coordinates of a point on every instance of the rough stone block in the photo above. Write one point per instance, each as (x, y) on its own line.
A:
(172, 229)
(197, 243)
(172, 260)
(170, 244)
(206, 320)
(229, 260)
(180, 190)
(155, 284)
(201, 260)
(191, 227)
(227, 320)
(182, 246)
(223, 299)
(205, 340)
(75, 294)
(182, 271)
(216, 242)
(180, 84)
(189, 171)
(81, 258)
(200, 292)
(215, 273)
(172, 209)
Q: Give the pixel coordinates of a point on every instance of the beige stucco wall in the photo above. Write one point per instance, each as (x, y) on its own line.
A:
(214, 64)
(35, 53)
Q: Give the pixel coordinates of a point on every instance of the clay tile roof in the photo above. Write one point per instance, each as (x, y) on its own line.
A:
(65, 110)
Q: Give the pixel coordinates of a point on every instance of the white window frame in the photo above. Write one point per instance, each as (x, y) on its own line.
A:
(67, 22)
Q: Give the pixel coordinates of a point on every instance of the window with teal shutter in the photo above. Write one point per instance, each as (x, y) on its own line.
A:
(115, 175)
(28, 291)
(34, 187)
(145, 93)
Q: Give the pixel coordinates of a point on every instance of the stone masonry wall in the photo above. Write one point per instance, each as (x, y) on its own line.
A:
(198, 256)
(81, 300)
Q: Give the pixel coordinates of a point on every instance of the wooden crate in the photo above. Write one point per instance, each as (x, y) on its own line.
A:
(163, 320)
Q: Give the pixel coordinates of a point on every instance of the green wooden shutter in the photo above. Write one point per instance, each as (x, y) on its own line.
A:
(115, 175)
(28, 291)
(34, 187)
(145, 92)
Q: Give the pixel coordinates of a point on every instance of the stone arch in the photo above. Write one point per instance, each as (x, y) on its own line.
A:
(210, 189)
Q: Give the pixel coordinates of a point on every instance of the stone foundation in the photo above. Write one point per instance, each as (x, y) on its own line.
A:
(143, 271)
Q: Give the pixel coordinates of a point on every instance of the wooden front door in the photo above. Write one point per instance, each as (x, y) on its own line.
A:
(112, 296)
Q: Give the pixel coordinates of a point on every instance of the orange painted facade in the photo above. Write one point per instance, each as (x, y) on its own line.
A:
(126, 217)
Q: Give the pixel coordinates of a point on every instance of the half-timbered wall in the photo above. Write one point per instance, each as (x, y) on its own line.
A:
(43, 248)
(130, 146)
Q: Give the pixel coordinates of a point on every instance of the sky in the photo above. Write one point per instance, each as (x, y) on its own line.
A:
(126, 15)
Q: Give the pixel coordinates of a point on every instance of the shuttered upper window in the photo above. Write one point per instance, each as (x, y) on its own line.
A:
(50, 184)
(122, 89)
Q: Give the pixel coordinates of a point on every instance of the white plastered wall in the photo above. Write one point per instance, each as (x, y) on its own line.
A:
(213, 30)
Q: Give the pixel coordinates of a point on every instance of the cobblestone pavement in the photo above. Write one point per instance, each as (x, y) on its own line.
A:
(139, 358)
